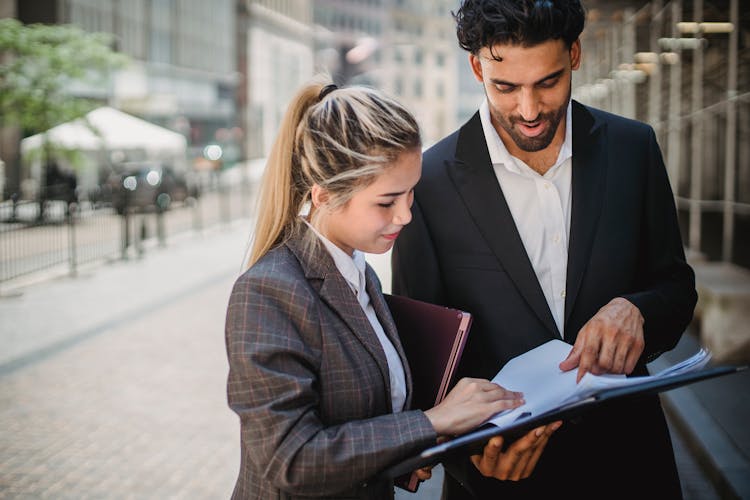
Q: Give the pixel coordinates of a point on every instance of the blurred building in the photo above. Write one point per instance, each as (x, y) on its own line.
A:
(683, 66)
(404, 47)
(280, 59)
(184, 71)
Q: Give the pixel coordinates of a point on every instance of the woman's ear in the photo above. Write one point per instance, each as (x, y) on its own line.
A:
(318, 195)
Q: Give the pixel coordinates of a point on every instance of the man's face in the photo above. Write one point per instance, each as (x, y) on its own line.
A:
(528, 89)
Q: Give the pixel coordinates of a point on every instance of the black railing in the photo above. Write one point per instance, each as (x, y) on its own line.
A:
(68, 235)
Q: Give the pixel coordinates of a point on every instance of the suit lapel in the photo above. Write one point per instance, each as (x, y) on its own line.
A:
(590, 162)
(475, 180)
(321, 272)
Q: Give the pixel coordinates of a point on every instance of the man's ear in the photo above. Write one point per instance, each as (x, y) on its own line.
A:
(476, 67)
(575, 55)
(318, 195)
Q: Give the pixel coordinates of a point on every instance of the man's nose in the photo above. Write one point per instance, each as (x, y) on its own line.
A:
(528, 106)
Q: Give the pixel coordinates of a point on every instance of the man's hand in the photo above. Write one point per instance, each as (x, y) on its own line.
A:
(610, 342)
(519, 460)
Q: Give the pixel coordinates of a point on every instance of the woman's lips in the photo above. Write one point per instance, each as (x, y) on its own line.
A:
(391, 236)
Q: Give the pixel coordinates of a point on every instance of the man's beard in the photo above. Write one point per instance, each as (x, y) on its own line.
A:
(539, 142)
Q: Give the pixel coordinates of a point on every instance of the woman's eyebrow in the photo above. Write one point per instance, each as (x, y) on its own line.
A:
(399, 193)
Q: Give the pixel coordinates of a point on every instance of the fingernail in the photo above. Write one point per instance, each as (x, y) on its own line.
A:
(539, 432)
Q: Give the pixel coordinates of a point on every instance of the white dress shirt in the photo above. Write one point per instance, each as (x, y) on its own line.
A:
(540, 205)
(353, 271)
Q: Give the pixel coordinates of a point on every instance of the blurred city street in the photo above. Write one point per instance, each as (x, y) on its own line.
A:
(112, 384)
(125, 211)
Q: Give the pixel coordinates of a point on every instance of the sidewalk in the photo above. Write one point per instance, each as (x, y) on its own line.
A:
(711, 418)
(112, 385)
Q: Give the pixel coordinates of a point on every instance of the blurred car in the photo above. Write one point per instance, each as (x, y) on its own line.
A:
(147, 186)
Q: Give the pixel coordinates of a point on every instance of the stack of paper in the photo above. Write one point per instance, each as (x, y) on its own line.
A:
(546, 387)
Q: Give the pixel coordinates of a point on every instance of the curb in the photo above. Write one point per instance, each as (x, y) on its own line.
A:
(716, 454)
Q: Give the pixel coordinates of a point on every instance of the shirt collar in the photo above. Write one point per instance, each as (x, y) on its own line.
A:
(351, 268)
(499, 154)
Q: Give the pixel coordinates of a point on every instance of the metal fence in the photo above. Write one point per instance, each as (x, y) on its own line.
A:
(66, 236)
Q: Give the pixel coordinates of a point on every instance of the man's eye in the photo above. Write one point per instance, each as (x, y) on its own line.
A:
(548, 84)
(506, 89)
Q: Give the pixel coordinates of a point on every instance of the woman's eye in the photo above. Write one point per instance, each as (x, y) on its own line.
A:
(386, 205)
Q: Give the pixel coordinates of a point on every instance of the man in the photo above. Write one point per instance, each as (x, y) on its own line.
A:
(548, 219)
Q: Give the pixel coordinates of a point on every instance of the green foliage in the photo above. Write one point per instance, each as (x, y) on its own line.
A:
(72, 157)
(38, 66)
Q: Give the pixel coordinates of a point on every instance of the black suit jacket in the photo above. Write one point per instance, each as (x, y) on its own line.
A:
(462, 249)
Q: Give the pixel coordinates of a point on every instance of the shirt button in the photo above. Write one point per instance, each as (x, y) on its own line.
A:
(546, 186)
(562, 294)
(556, 239)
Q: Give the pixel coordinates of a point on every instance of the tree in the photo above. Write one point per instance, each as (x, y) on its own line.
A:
(39, 64)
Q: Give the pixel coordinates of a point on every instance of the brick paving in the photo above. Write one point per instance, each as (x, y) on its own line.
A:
(135, 410)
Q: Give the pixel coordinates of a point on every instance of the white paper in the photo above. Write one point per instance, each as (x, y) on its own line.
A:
(545, 387)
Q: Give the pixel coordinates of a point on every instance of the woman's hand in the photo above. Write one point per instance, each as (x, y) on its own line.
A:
(519, 460)
(469, 404)
(424, 473)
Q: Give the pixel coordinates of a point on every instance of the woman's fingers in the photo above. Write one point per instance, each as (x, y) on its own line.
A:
(469, 404)
(424, 473)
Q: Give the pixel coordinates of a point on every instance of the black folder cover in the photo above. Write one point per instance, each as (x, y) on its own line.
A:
(473, 442)
(433, 338)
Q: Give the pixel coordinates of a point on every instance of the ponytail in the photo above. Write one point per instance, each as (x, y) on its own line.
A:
(280, 198)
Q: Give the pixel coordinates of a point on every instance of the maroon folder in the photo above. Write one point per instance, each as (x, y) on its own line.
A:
(433, 338)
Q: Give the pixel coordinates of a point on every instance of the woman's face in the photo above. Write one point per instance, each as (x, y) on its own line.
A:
(372, 219)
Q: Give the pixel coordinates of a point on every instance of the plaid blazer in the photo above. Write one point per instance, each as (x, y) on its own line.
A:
(309, 381)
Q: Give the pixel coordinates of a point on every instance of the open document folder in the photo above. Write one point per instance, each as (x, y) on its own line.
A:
(545, 387)
(551, 394)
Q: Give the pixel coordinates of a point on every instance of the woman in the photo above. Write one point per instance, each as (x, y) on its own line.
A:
(317, 373)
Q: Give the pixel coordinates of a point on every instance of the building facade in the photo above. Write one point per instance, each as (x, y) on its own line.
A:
(404, 47)
(183, 73)
(280, 59)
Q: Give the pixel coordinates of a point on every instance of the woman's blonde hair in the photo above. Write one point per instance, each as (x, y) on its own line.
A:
(337, 138)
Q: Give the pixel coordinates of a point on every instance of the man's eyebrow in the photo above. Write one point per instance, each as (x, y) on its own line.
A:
(551, 76)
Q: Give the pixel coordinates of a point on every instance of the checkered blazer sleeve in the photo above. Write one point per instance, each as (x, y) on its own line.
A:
(276, 356)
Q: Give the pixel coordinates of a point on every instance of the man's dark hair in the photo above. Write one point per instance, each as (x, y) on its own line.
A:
(485, 23)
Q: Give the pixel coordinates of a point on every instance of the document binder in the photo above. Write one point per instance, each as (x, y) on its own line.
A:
(473, 442)
(433, 338)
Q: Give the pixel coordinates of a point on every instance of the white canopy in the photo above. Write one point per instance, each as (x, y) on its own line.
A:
(117, 130)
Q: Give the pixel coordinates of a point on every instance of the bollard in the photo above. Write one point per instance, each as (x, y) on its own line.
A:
(160, 232)
(141, 233)
(197, 218)
(125, 232)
